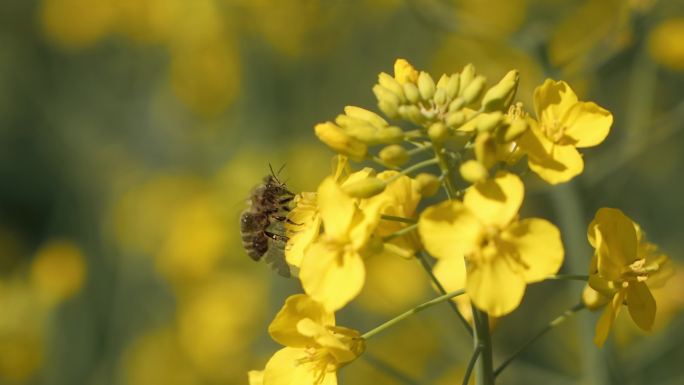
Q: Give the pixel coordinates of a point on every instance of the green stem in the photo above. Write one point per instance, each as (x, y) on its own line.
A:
(443, 162)
(422, 256)
(397, 219)
(482, 340)
(408, 313)
(401, 232)
(412, 168)
(471, 365)
(557, 321)
(420, 149)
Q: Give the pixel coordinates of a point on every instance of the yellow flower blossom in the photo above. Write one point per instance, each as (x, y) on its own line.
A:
(332, 269)
(665, 43)
(314, 347)
(563, 125)
(401, 198)
(620, 270)
(303, 227)
(58, 271)
(482, 239)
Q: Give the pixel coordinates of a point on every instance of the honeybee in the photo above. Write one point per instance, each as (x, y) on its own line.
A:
(260, 223)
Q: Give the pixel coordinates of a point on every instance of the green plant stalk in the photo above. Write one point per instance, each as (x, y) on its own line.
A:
(482, 341)
(481, 337)
(471, 365)
(557, 321)
(371, 333)
(568, 277)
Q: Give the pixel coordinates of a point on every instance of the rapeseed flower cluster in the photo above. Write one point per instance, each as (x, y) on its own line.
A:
(470, 139)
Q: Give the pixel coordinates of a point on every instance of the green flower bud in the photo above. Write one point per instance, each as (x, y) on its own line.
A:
(383, 94)
(391, 84)
(412, 113)
(391, 134)
(455, 119)
(488, 122)
(426, 86)
(428, 184)
(474, 89)
(365, 115)
(438, 132)
(456, 104)
(363, 132)
(501, 95)
(473, 171)
(365, 188)
(452, 86)
(411, 92)
(394, 155)
(337, 139)
(443, 80)
(440, 96)
(467, 75)
(388, 108)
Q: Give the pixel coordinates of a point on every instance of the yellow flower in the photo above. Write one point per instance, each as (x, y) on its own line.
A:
(622, 265)
(563, 125)
(400, 199)
(58, 271)
(502, 254)
(314, 347)
(303, 227)
(332, 269)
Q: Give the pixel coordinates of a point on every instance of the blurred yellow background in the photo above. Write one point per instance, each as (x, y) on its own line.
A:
(131, 132)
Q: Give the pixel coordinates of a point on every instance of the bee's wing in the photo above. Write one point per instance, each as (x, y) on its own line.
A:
(275, 258)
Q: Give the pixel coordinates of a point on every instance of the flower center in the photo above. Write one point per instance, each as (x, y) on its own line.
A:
(553, 129)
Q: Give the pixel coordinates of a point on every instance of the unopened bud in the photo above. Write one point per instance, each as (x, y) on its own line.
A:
(467, 75)
(335, 138)
(404, 72)
(488, 122)
(456, 104)
(455, 119)
(501, 95)
(388, 108)
(411, 92)
(474, 89)
(426, 86)
(363, 114)
(438, 132)
(365, 188)
(440, 97)
(389, 135)
(428, 184)
(383, 94)
(452, 86)
(412, 113)
(391, 84)
(394, 155)
(473, 171)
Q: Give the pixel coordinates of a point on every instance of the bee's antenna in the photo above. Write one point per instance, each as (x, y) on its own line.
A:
(281, 168)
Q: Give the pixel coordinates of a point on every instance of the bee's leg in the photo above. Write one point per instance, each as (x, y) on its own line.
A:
(276, 237)
(286, 200)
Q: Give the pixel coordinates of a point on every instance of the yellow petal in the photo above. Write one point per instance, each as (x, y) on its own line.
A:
(593, 299)
(605, 323)
(302, 227)
(449, 230)
(641, 305)
(337, 209)
(283, 328)
(451, 273)
(552, 162)
(587, 124)
(617, 244)
(331, 275)
(288, 367)
(496, 201)
(493, 286)
(552, 100)
(539, 247)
